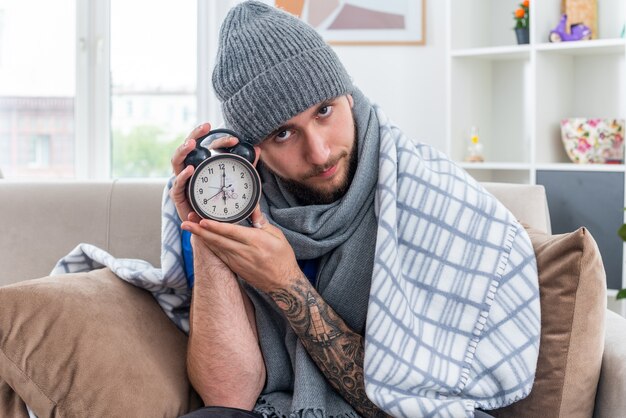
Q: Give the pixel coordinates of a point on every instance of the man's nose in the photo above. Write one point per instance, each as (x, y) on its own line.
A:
(317, 151)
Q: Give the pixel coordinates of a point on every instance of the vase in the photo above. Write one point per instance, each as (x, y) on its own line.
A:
(523, 36)
(593, 140)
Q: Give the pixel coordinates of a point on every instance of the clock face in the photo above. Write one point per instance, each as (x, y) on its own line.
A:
(224, 188)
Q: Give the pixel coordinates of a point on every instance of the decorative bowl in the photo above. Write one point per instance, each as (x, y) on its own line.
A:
(599, 141)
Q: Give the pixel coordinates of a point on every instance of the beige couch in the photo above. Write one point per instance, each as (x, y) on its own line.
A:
(40, 222)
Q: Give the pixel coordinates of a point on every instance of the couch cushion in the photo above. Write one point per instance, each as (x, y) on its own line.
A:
(572, 287)
(90, 344)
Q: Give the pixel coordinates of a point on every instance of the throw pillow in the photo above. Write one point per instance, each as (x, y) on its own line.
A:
(572, 286)
(90, 344)
(10, 404)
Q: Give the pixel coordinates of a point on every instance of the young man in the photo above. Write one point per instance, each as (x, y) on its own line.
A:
(279, 310)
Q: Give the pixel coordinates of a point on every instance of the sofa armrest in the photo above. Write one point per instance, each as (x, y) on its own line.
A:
(527, 202)
(610, 399)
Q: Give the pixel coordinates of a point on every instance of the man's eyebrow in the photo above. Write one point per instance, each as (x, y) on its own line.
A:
(326, 103)
(281, 128)
(291, 126)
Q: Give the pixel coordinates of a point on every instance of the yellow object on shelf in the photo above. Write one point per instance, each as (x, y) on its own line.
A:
(475, 148)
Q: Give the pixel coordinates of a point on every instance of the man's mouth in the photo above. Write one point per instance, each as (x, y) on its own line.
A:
(329, 169)
(328, 172)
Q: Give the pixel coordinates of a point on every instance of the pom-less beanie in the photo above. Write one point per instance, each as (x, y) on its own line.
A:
(271, 66)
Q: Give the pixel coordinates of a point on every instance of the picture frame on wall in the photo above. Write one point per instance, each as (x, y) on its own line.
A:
(363, 22)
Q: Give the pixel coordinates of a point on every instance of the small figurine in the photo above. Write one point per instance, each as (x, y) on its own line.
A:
(578, 31)
(475, 148)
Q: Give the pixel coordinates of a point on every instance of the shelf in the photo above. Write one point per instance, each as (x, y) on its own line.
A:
(495, 166)
(581, 48)
(494, 53)
(617, 168)
(517, 96)
(511, 52)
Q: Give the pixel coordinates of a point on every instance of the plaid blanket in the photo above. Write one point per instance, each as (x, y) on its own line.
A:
(453, 319)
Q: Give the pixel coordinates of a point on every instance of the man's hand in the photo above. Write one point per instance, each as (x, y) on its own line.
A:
(260, 255)
(182, 173)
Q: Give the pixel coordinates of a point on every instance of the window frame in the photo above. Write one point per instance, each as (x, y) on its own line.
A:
(92, 109)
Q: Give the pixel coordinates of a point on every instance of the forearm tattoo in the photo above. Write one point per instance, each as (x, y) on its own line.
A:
(335, 348)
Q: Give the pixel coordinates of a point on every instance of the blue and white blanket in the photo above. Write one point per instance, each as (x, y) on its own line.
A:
(453, 318)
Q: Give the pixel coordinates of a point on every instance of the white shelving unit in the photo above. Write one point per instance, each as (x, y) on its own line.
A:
(517, 94)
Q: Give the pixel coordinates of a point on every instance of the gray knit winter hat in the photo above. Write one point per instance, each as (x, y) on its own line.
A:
(271, 66)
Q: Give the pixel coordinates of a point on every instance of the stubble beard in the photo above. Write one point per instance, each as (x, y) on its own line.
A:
(309, 195)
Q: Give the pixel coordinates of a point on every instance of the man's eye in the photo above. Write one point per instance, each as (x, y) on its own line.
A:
(325, 110)
(282, 135)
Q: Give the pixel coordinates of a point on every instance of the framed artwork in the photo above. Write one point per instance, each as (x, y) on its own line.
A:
(363, 22)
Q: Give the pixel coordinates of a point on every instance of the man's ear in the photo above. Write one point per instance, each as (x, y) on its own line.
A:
(350, 100)
(257, 152)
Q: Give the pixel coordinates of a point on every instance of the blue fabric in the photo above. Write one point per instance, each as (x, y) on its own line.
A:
(308, 267)
(187, 257)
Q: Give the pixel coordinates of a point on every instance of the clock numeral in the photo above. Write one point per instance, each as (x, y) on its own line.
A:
(205, 201)
(210, 170)
(214, 207)
(244, 197)
(205, 179)
(241, 174)
(236, 205)
(234, 168)
(245, 185)
(221, 165)
(201, 190)
(225, 210)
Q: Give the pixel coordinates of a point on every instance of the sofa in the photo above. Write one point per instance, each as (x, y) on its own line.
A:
(40, 222)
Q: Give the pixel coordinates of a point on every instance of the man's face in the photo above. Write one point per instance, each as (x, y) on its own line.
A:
(315, 152)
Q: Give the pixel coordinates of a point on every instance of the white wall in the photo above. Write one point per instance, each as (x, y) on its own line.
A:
(408, 82)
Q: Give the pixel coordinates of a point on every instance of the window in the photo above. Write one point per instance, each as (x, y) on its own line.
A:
(40, 151)
(153, 83)
(36, 113)
(111, 84)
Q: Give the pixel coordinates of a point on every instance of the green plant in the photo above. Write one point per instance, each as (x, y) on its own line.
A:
(521, 16)
(143, 152)
(622, 234)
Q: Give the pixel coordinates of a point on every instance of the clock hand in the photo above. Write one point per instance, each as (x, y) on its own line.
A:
(216, 194)
(223, 184)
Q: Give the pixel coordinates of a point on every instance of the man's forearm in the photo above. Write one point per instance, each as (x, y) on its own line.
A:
(224, 360)
(335, 348)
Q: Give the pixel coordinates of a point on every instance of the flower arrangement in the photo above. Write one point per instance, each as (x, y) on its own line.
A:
(521, 16)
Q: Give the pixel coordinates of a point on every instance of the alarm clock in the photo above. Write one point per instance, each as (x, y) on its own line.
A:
(225, 186)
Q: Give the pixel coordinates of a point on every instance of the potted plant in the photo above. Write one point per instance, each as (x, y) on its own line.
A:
(622, 233)
(522, 22)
